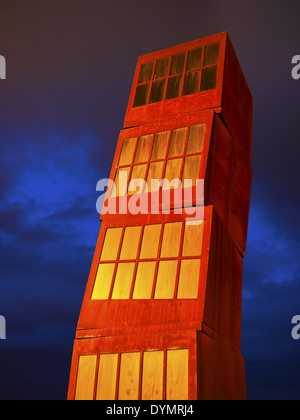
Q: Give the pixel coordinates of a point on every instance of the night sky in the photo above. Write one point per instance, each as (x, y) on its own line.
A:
(70, 65)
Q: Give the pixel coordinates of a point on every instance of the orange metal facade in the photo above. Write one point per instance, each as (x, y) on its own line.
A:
(161, 315)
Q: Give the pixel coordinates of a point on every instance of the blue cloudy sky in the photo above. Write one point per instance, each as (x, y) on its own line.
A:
(70, 66)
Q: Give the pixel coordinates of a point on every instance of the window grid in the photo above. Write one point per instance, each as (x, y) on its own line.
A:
(181, 74)
(94, 376)
(155, 259)
(165, 160)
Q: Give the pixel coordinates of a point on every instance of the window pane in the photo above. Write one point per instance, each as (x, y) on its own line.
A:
(138, 172)
(130, 243)
(171, 240)
(172, 173)
(177, 142)
(209, 78)
(144, 280)
(86, 378)
(177, 375)
(211, 55)
(161, 68)
(153, 374)
(157, 91)
(194, 59)
(111, 244)
(150, 241)
(177, 64)
(107, 377)
(174, 87)
(188, 279)
(129, 376)
(146, 72)
(121, 182)
(123, 281)
(191, 168)
(193, 237)
(143, 148)
(155, 172)
(128, 147)
(103, 281)
(191, 82)
(196, 138)
(166, 279)
(160, 145)
(141, 95)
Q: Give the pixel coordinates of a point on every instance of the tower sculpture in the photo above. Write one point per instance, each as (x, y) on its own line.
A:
(161, 315)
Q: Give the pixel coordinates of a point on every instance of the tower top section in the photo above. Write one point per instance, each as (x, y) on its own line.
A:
(195, 76)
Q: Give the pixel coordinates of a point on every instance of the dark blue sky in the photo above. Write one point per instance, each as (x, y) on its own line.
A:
(70, 65)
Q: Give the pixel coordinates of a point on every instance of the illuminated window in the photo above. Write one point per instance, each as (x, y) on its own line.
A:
(86, 378)
(127, 152)
(150, 242)
(143, 149)
(103, 281)
(144, 280)
(189, 279)
(177, 375)
(130, 243)
(123, 281)
(149, 261)
(171, 155)
(161, 374)
(160, 145)
(107, 377)
(153, 375)
(171, 240)
(166, 278)
(111, 244)
(129, 376)
(180, 75)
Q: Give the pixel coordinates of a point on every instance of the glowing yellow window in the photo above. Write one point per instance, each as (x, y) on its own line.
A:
(123, 281)
(160, 145)
(138, 173)
(191, 168)
(111, 244)
(127, 152)
(155, 173)
(193, 237)
(171, 240)
(144, 280)
(153, 372)
(150, 241)
(129, 376)
(130, 243)
(107, 377)
(143, 149)
(166, 278)
(177, 142)
(103, 281)
(172, 174)
(86, 378)
(196, 139)
(121, 182)
(189, 279)
(177, 375)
